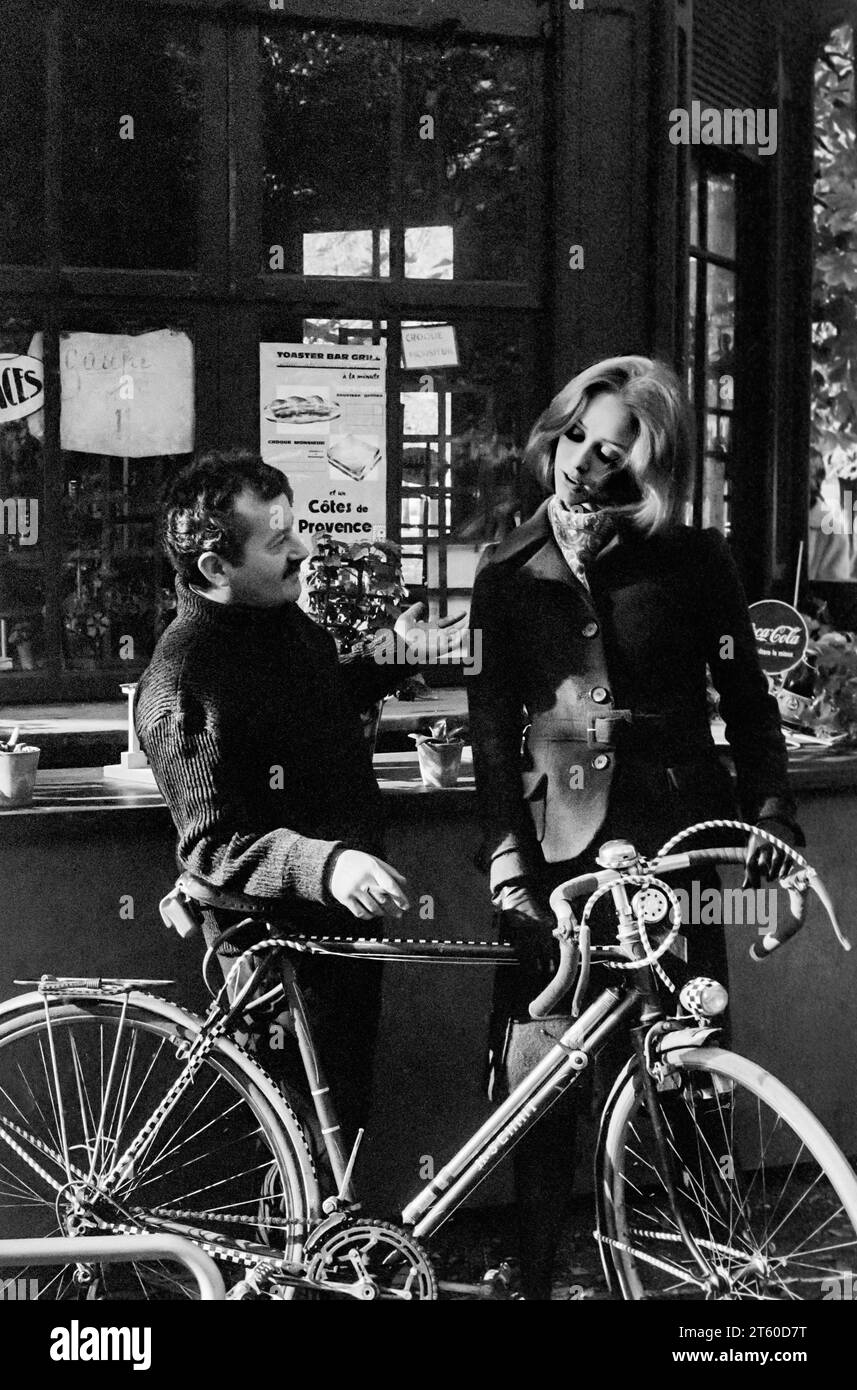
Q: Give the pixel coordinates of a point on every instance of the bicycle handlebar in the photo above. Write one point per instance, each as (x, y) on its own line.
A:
(796, 885)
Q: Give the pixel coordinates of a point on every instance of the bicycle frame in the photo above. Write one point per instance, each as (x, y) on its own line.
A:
(523, 1108)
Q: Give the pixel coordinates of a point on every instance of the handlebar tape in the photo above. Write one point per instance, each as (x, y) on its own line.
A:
(553, 994)
(798, 891)
(760, 950)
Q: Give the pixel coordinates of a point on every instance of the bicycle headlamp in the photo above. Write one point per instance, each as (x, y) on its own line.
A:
(704, 998)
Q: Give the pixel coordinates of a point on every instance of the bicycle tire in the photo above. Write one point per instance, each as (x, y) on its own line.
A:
(55, 1061)
(716, 1128)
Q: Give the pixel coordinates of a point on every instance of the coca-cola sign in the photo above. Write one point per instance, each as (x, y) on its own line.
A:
(781, 635)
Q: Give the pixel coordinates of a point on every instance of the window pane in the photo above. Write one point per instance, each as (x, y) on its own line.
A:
(131, 81)
(22, 134)
(720, 315)
(461, 450)
(22, 595)
(714, 494)
(694, 207)
(691, 327)
(117, 592)
(721, 214)
(342, 331)
(326, 143)
(470, 139)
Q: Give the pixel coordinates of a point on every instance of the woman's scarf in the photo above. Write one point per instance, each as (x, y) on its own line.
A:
(580, 534)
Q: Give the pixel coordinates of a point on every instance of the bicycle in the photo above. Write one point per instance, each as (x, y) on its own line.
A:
(122, 1114)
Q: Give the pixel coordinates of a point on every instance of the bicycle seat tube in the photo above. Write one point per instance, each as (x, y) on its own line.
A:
(316, 1080)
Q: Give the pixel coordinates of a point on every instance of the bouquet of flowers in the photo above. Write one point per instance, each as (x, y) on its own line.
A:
(832, 656)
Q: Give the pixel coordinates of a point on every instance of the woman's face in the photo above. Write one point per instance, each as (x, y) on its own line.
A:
(590, 457)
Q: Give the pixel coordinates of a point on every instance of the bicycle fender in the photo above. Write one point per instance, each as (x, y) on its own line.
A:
(685, 1037)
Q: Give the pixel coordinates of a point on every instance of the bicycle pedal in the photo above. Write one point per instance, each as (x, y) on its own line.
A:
(501, 1283)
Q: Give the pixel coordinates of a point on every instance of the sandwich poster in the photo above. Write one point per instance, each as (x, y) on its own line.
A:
(323, 424)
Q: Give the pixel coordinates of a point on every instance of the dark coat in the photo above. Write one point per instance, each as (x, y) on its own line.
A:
(574, 665)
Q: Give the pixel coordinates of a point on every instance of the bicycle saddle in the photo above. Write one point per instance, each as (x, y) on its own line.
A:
(202, 893)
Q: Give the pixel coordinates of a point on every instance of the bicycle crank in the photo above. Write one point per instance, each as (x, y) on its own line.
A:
(369, 1260)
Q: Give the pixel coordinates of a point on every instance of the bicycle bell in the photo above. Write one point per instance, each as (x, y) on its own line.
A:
(617, 854)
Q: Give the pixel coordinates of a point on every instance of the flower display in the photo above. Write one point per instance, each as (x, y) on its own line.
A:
(355, 590)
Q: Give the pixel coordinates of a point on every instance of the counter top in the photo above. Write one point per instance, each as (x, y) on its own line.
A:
(76, 792)
(84, 734)
(85, 791)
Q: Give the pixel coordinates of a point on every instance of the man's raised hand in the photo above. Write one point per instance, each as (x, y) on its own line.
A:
(368, 887)
(443, 640)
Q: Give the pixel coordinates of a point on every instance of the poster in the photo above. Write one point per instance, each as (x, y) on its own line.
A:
(127, 396)
(323, 424)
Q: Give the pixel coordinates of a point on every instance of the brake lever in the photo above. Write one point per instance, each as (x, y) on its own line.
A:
(797, 885)
(818, 886)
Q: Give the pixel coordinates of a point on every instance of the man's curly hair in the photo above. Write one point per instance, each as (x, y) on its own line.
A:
(199, 507)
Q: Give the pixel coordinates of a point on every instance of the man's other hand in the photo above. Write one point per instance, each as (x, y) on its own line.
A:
(368, 887)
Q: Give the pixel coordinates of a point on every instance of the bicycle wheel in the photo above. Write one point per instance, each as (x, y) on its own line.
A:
(226, 1164)
(768, 1197)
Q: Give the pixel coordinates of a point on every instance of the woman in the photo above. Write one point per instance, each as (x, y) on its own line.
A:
(589, 718)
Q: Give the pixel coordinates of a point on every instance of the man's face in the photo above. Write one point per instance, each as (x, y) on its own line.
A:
(268, 574)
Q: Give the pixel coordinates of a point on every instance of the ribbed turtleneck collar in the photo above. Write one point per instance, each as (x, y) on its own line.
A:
(232, 617)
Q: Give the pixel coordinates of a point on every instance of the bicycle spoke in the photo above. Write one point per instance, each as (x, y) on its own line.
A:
(760, 1206)
(236, 1176)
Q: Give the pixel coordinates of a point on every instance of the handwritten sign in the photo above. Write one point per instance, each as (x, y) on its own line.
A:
(429, 345)
(127, 396)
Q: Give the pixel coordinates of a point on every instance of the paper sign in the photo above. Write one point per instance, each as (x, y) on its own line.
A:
(429, 345)
(127, 396)
(323, 423)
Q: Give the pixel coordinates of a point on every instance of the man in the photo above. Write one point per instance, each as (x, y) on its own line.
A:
(252, 727)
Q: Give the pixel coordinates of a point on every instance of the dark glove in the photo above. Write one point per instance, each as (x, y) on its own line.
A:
(528, 926)
(763, 858)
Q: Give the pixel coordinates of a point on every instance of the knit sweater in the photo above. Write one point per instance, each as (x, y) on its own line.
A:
(252, 728)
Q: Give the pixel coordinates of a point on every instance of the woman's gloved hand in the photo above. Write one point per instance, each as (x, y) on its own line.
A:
(763, 858)
(528, 926)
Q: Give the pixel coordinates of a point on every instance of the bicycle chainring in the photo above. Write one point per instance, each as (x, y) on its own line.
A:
(369, 1260)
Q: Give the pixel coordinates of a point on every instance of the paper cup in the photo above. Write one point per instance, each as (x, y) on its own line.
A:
(18, 775)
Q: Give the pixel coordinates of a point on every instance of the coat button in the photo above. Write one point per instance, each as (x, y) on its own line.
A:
(590, 630)
(600, 695)
(601, 762)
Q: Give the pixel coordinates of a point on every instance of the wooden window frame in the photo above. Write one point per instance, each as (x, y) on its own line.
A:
(751, 455)
(224, 298)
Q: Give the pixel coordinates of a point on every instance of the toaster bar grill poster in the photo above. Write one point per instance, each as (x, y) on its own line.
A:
(323, 424)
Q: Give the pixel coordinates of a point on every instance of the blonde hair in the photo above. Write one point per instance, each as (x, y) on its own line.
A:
(661, 457)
